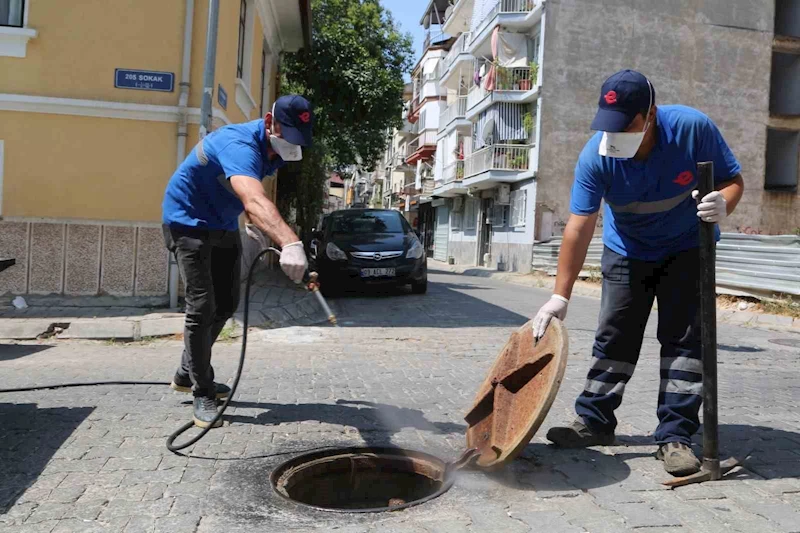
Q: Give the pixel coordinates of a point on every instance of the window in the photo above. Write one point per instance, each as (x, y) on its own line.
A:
(366, 222)
(242, 35)
(470, 213)
(782, 157)
(455, 221)
(519, 200)
(11, 13)
(499, 216)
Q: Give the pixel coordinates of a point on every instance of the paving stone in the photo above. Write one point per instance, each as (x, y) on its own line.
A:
(547, 521)
(137, 463)
(141, 524)
(643, 515)
(177, 524)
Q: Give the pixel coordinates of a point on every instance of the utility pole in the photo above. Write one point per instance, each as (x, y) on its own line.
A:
(208, 69)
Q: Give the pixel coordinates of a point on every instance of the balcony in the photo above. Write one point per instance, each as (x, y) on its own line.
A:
(422, 147)
(455, 111)
(498, 163)
(454, 58)
(511, 15)
(453, 172)
(514, 85)
(460, 17)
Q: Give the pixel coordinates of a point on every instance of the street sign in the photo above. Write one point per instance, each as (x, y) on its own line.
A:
(144, 80)
(222, 97)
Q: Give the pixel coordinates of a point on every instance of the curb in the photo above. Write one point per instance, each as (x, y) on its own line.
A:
(725, 316)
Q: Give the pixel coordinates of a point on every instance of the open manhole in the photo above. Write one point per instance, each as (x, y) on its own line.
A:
(509, 407)
(362, 480)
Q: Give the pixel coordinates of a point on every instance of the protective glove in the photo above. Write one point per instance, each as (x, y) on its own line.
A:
(254, 233)
(293, 261)
(712, 208)
(555, 307)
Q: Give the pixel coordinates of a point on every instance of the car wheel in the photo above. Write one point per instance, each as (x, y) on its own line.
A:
(420, 288)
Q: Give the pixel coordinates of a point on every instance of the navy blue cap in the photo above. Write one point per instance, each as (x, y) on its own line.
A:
(296, 117)
(623, 96)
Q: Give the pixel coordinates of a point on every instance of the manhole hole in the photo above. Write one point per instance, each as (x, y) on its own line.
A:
(362, 480)
(793, 343)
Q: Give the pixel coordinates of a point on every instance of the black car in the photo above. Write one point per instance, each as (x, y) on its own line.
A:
(368, 247)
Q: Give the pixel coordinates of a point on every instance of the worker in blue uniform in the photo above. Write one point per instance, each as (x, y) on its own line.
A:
(643, 162)
(218, 181)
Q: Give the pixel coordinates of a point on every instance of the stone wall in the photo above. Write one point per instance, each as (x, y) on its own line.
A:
(83, 259)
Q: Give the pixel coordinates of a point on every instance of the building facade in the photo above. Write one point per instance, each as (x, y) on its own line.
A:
(521, 79)
(97, 108)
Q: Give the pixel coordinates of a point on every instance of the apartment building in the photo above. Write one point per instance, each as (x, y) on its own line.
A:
(521, 79)
(98, 105)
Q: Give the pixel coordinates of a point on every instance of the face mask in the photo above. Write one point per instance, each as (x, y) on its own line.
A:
(286, 150)
(624, 145)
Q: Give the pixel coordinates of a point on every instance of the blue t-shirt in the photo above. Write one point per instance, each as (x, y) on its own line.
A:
(649, 210)
(199, 194)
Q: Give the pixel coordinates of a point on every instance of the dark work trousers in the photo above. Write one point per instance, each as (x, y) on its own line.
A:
(209, 264)
(629, 288)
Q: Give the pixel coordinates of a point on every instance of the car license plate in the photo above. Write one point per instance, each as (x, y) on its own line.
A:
(377, 272)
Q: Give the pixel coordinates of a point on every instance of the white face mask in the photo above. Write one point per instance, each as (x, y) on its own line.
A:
(624, 145)
(286, 150)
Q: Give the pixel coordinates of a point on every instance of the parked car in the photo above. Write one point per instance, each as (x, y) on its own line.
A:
(363, 247)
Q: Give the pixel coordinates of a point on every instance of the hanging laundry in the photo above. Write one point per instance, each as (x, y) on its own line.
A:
(512, 50)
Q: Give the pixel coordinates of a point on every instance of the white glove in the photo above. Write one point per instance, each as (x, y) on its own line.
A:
(254, 233)
(555, 307)
(713, 206)
(293, 261)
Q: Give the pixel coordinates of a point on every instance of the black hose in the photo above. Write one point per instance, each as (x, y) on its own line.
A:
(175, 448)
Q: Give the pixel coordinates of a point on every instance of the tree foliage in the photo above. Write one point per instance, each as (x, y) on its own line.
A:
(353, 75)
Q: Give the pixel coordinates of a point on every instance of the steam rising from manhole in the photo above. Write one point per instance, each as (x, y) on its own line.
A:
(362, 480)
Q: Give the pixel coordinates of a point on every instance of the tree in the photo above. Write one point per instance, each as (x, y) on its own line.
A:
(353, 75)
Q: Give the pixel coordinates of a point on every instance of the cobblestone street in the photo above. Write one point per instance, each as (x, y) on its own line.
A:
(402, 370)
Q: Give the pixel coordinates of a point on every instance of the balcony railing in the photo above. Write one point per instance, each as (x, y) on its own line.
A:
(507, 6)
(459, 47)
(498, 157)
(454, 111)
(453, 172)
(514, 79)
(476, 96)
(428, 138)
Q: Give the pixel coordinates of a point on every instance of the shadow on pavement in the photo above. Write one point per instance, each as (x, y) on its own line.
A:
(9, 352)
(773, 453)
(29, 436)
(375, 422)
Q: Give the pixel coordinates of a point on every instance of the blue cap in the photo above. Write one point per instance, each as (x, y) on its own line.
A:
(296, 117)
(623, 96)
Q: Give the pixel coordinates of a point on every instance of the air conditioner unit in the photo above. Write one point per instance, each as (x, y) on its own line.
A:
(458, 204)
(502, 195)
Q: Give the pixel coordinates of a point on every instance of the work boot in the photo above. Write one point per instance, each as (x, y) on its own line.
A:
(184, 384)
(205, 409)
(679, 459)
(578, 435)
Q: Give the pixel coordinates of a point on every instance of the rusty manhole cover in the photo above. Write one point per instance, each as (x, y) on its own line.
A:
(792, 343)
(362, 480)
(510, 406)
(517, 394)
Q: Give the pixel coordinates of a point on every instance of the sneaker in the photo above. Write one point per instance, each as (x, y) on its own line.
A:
(578, 435)
(679, 459)
(205, 409)
(185, 385)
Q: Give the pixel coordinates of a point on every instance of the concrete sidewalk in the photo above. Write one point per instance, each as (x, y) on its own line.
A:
(584, 288)
(274, 302)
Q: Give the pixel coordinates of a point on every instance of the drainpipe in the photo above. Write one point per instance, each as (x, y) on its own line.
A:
(183, 102)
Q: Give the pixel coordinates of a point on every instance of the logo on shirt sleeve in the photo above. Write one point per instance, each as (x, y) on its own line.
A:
(684, 178)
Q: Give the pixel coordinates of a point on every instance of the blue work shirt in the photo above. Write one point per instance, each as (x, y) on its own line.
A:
(649, 210)
(200, 195)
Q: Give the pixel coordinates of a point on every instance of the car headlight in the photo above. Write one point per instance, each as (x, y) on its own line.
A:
(335, 253)
(416, 251)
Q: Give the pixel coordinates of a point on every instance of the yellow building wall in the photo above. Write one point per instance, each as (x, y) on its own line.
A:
(69, 167)
(81, 43)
